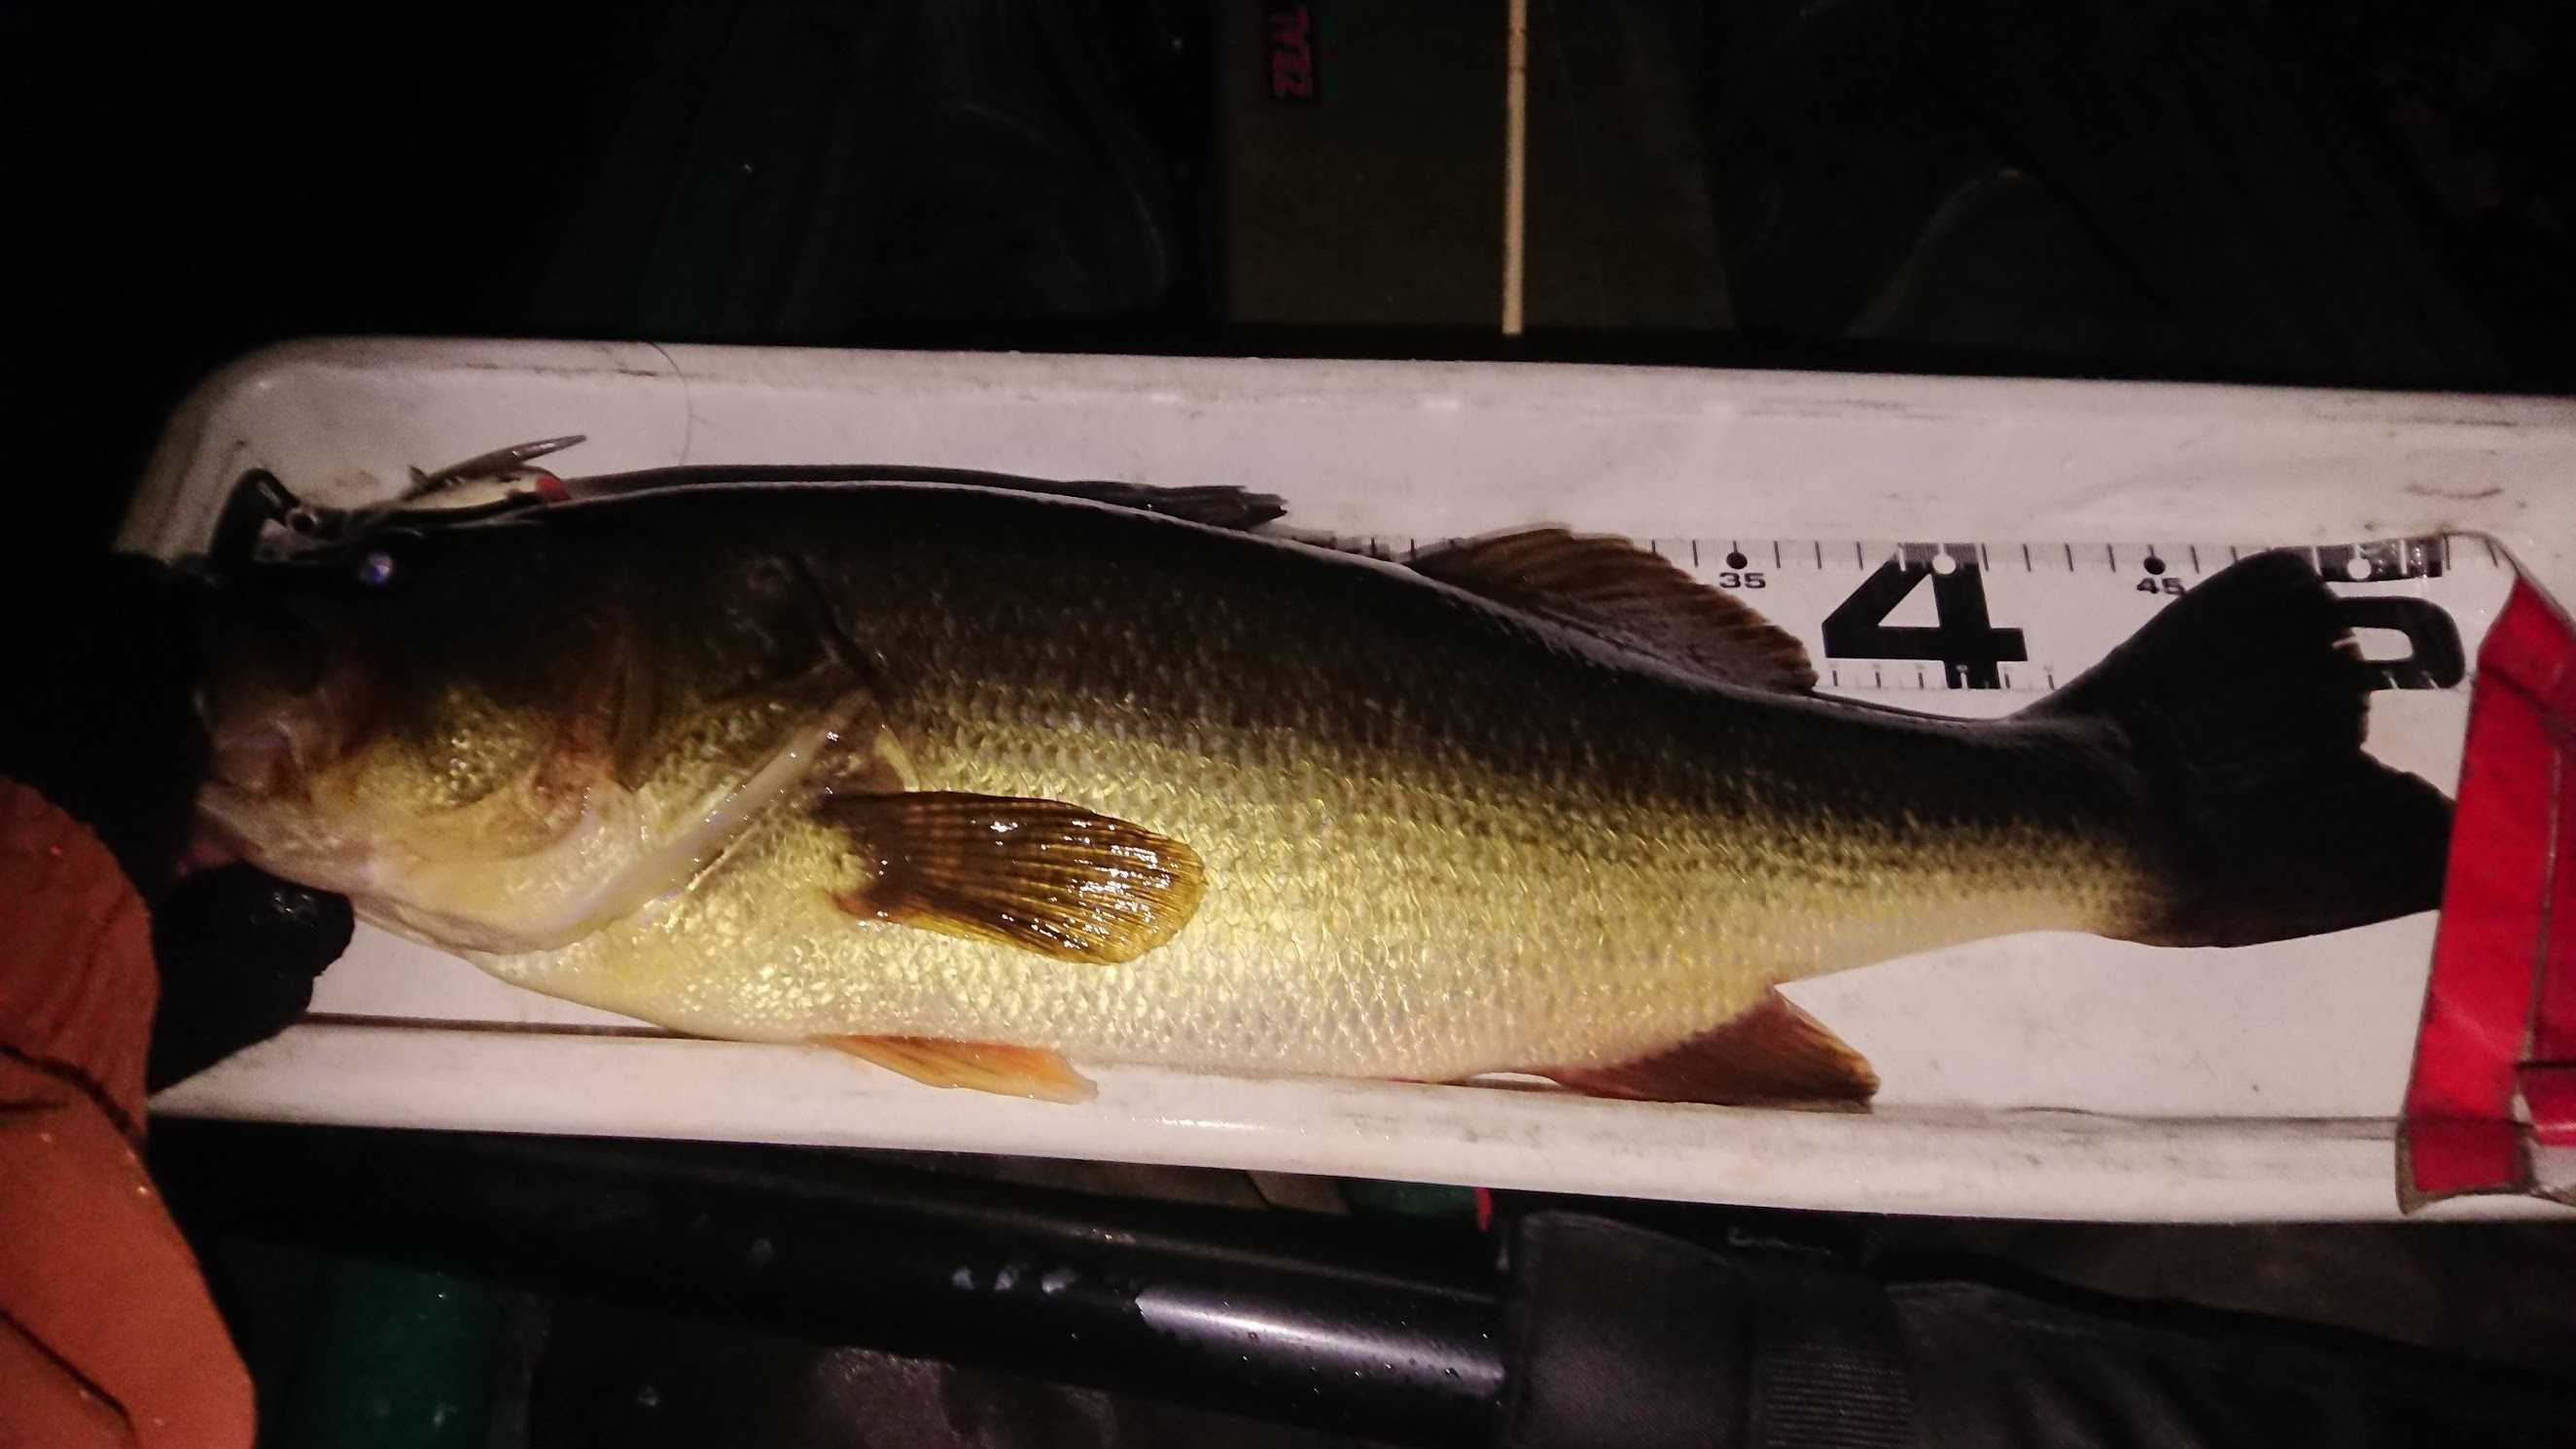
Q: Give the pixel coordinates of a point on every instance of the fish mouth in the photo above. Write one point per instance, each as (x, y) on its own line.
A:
(285, 697)
(210, 845)
(273, 748)
(257, 759)
(279, 836)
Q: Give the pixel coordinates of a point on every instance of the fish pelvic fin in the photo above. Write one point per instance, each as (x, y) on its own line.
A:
(1008, 1071)
(1770, 1054)
(2243, 706)
(1040, 875)
(1628, 596)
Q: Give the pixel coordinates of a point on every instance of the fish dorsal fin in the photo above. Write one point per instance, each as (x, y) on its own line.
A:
(1770, 1053)
(1616, 591)
(1010, 1071)
(1215, 505)
(1041, 875)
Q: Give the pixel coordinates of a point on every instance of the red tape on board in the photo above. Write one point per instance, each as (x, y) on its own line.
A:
(2500, 1008)
(2548, 1073)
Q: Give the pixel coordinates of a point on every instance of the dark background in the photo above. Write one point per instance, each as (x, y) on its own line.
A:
(2348, 192)
(2338, 192)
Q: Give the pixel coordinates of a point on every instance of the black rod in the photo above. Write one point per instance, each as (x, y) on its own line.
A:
(1384, 1330)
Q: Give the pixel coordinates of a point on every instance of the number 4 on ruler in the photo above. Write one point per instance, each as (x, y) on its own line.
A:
(1966, 642)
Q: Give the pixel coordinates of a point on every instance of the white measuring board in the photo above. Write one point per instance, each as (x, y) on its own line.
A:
(2043, 1075)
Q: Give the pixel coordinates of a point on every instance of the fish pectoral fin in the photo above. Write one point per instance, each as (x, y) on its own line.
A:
(1041, 875)
(1628, 596)
(1773, 1053)
(1009, 1071)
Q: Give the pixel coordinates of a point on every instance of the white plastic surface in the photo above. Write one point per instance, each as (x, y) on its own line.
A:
(2043, 1076)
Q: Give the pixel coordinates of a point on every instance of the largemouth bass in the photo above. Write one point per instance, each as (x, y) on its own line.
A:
(975, 784)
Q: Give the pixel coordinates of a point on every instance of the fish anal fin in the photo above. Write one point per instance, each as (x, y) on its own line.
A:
(1040, 875)
(1771, 1053)
(1008, 1071)
(1629, 596)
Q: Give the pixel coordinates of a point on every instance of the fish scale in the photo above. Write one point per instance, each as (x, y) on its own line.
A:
(1437, 836)
(1456, 875)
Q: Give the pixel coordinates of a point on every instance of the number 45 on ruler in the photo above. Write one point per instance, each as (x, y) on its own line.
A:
(1972, 650)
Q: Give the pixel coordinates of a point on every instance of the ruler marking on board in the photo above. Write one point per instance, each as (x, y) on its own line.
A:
(2009, 634)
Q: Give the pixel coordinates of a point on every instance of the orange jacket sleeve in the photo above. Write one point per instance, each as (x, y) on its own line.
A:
(106, 1333)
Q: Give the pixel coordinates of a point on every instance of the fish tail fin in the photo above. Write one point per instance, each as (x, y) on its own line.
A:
(2243, 706)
